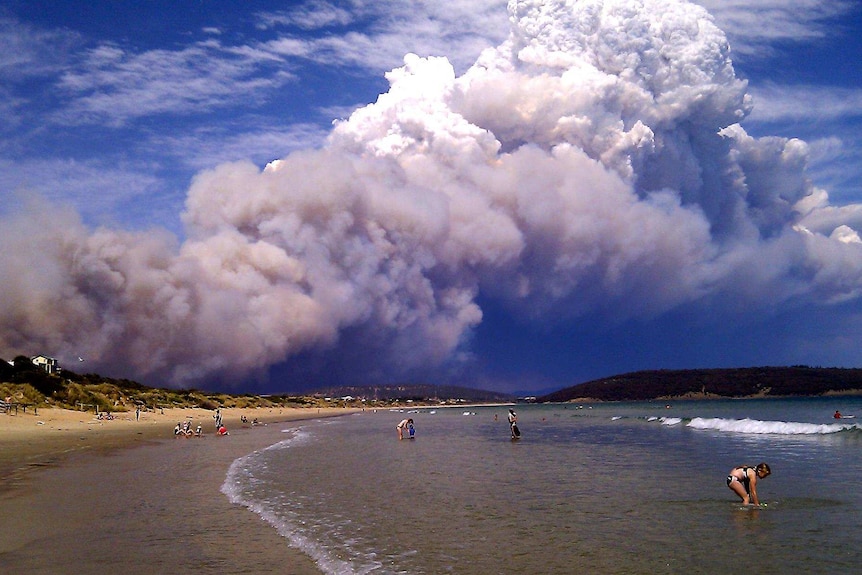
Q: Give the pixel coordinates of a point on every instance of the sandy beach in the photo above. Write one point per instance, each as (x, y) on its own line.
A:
(81, 494)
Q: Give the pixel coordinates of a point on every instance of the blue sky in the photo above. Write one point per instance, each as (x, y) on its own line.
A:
(135, 137)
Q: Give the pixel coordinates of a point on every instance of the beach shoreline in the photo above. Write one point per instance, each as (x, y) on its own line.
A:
(92, 493)
(35, 439)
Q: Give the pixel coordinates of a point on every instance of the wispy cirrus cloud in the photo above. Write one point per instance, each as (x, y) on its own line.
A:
(754, 27)
(113, 85)
(97, 187)
(205, 147)
(308, 16)
(27, 51)
(782, 103)
(458, 29)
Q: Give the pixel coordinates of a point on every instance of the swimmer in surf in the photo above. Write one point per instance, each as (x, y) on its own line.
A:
(742, 480)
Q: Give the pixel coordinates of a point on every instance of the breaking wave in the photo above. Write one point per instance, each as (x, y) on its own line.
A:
(755, 426)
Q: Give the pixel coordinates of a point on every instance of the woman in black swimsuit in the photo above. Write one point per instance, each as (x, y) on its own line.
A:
(742, 480)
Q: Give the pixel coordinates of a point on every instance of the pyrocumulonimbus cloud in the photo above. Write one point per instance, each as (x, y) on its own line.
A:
(592, 163)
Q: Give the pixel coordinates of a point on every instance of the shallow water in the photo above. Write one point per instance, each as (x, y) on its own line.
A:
(146, 510)
(612, 488)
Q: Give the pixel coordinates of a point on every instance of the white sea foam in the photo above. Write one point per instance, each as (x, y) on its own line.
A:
(671, 420)
(240, 471)
(241, 475)
(755, 426)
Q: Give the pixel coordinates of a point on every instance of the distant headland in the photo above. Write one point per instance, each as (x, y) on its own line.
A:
(714, 383)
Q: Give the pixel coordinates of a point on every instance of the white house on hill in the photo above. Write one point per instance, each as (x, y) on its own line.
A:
(49, 364)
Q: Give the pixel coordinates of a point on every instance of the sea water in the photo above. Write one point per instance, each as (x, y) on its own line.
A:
(599, 488)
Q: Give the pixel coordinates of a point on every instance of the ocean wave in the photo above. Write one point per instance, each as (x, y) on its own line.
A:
(755, 426)
(662, 420)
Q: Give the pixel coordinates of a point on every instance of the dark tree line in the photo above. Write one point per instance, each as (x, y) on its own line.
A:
(741, 382)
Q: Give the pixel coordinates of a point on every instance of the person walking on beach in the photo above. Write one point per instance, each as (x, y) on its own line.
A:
(217, 417)
(402, 425)
(742, 480)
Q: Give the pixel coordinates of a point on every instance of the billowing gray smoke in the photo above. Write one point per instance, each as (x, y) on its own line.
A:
(593, 163)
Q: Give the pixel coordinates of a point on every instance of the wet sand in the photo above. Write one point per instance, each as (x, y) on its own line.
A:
(82, 495)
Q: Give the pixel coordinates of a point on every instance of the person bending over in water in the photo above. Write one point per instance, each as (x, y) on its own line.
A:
(742, 480)
(402, 425)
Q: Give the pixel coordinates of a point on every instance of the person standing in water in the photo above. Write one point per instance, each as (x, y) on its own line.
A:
(742, 480)
(513, 423)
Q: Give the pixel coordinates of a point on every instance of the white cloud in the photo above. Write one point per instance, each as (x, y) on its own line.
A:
(775, 103)
(101, 190)
(755, 26)
(590, 164)
(205, 148)
(310, 15)
(458, 29)
(114, 86)
(830, 117)
(26, 51)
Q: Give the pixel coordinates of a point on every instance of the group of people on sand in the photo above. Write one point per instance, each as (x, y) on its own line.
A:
(184, 429)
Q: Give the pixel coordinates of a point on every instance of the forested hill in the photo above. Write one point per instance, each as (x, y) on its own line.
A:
(696, 383)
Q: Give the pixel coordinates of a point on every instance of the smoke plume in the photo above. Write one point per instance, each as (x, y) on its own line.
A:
(591, 164)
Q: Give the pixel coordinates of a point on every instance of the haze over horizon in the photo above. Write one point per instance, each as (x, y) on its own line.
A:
(259, 197)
